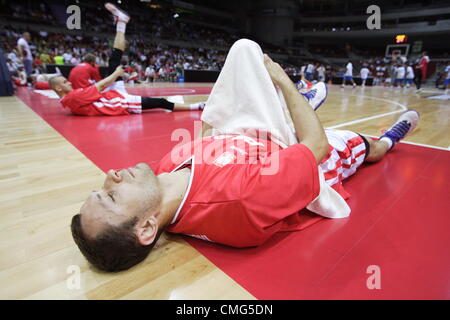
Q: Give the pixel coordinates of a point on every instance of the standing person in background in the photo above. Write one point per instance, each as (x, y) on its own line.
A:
(25, 53)
(321, 73)
(399, 75)
(421, 70)
(409, 75)
(309, 72)
(149, 74)
(348, 76)
(364, 73)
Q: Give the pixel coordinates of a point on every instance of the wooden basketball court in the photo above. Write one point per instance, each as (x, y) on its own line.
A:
(44, 179)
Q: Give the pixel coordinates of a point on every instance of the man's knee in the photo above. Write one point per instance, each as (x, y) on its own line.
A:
(244, 45)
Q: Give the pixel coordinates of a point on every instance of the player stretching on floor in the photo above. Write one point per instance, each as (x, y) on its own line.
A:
(205, 194)
(108, 96)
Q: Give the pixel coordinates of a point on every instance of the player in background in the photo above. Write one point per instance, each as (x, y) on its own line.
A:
(109, 96)
(309, 72)
(421, 70)
(86, 73)
(364, 74)
(150, 74)
(321, 73)
(348, 76)
(409, 75)
(399, 75)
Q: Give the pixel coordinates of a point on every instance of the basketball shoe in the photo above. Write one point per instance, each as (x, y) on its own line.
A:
(405, 124)
(316, 95)
(119, 14)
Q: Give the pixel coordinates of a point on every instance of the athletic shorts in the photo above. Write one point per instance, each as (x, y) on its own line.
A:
(447, 81)
(348, 78)
(347, 152)
(410, 81)
(135, 102)
(399, 80)
(308, 76)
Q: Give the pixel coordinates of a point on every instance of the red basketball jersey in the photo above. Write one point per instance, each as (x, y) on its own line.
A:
(243, 190)
(91, 102)
(84, 75)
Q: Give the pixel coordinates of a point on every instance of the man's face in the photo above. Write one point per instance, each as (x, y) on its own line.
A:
(63, 85)
(128, 193)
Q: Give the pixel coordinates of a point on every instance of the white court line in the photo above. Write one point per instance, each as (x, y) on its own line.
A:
(402, 106)
(413, 143)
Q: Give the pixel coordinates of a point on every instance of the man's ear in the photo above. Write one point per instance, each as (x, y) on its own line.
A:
(147, 230)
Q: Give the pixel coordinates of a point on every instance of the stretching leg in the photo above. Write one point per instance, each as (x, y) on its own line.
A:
(160, 103)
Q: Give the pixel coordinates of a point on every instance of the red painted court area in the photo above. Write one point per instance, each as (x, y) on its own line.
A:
(400, 214)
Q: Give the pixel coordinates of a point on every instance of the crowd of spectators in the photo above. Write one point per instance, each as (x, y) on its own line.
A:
(150, 62)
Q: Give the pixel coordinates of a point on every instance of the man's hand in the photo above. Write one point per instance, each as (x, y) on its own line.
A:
(277, 74)
(103, 84)
(308, 128)
(119, 71)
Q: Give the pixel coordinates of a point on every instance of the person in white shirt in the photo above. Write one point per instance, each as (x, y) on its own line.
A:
(364, 73)
(321, 73)
(409, 76)
(399, 75)
(67, 57)
(348, 76)
(25, 53)
(149, 74)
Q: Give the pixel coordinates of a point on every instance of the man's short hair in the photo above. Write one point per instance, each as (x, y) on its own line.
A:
(89, 58)
(52, 82)
(115, 249)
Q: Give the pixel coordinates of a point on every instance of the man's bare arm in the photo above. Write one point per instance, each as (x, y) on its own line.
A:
(307, 125)
(206, 130)
(103, 84)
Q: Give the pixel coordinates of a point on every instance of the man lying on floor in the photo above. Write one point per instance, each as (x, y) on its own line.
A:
(232, 187)
(109, 96)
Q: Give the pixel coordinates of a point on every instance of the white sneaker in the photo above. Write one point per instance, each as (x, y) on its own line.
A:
(198, 106)
(317, 95)
(119, 14)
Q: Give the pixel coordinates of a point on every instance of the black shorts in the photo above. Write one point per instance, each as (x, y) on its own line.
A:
(367, 144)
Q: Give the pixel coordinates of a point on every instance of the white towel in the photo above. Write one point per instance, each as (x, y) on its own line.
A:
(244, 97)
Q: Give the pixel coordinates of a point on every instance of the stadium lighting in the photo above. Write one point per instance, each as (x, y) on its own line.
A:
(176, 15)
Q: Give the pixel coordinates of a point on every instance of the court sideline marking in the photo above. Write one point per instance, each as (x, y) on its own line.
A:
(402, 106)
